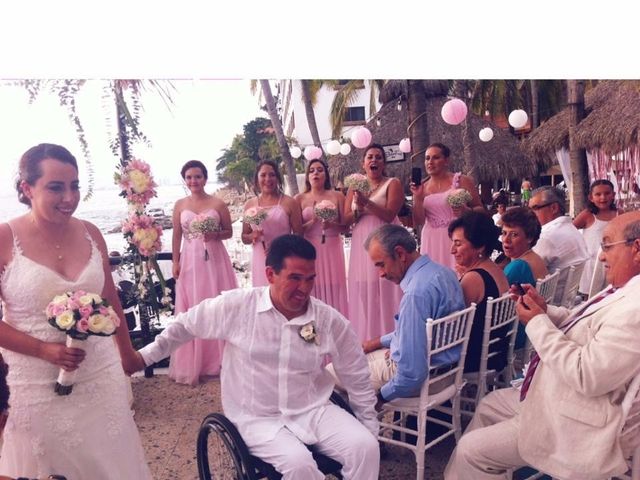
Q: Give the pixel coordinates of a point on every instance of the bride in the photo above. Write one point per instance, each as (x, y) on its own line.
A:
(89, 433)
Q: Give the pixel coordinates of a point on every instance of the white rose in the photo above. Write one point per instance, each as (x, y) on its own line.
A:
(59, 300)
(97, 323)
(89, 299)
(108, 327)
(139, 181)
(65, 320)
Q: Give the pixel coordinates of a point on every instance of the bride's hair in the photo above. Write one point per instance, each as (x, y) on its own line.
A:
(29, 167)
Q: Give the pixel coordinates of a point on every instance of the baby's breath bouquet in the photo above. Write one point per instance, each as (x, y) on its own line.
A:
(458, 198)
(358, 182)
(200, 226)
(326, 211)
(255, 216)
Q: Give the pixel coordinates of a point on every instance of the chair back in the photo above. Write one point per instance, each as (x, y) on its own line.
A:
(598, 278)
(449, 332)
(566, 293)
(500, 327)
(547, 286)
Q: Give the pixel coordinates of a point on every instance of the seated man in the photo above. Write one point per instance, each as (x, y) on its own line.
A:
(398, 360)
(560, 245)
(274, 387)
(568, 421)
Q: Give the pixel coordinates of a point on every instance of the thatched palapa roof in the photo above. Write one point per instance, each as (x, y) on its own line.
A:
(499, 158)
(611, 123)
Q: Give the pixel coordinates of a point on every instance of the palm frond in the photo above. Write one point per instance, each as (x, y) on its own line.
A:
(344, 97)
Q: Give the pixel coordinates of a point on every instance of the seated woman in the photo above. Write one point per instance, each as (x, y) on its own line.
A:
(520, 232)
(474, 237)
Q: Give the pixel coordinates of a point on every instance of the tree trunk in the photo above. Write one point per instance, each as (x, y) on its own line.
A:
(461, 89)
(535, 116)
(311, 118)
(577, 156)
(282, 142)
(417, 128)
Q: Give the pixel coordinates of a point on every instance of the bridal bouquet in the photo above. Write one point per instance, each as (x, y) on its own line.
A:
(325, 211)
(200, 226)
(79, 314)
(458, 198)
(358, 182)
(254, 217)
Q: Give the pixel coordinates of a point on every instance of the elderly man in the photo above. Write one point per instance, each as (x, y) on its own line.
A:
(398, 360)
(565, 420)
(274, 386)
(560, 244)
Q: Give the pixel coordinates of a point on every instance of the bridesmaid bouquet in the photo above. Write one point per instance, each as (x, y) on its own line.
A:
(458, 198)
(358, 182)
(325, 211)
(200, 226)
(79, 314)
(254, 217)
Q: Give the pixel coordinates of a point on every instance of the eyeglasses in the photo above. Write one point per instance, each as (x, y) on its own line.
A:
(608, 246)
(535, 208)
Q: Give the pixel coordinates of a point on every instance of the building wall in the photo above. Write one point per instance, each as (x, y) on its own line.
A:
(295, 119)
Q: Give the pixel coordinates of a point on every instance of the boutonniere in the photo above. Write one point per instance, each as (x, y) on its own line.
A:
(308, 333)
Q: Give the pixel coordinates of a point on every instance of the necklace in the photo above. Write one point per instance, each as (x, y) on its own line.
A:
(55, 247)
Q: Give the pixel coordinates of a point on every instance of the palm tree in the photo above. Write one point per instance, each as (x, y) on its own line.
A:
(310, 89)
(277, 126)
(577, 156)
(345, 96)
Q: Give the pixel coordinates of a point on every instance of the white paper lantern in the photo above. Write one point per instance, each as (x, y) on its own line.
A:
(295, 152)
(345, 149)
(486, 134)
(405, 145)
(333, 147)
(518, 119)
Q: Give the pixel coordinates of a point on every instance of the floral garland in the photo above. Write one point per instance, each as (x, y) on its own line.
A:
(143, 233)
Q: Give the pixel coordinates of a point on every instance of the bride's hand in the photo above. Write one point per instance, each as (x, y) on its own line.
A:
(59, 354)
(133, 363)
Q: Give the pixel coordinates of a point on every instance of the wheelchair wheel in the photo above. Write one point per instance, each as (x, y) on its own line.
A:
(219, 440)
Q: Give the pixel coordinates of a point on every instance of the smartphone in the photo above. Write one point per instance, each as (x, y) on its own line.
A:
(416, 176)
(519, 290)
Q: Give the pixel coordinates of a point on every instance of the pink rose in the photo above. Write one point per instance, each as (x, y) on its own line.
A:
(57, 310)
(73, 305)
(103, 310)
(86, 311)
(82, 325)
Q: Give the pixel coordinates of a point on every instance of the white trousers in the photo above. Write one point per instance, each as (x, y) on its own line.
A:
(489, 446)
(340, 436)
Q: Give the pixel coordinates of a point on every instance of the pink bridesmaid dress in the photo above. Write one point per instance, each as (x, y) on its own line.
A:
(373, 301)
(277, 223)
(199, 279)
(434, 239)
(331, 280)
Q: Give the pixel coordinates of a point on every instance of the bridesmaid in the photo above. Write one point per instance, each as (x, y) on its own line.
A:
(430, 204)
(283, 216)
(373, 301)
(331, 281)
(199, 274)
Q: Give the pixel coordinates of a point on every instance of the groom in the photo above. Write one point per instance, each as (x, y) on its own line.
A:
(274, 387)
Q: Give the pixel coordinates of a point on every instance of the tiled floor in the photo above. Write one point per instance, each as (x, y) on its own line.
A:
(168, 416)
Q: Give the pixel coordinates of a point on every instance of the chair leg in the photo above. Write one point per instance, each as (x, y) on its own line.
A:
(455, 417)
(420, 443)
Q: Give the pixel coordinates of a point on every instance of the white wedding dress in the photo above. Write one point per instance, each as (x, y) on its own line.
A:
(88, 434)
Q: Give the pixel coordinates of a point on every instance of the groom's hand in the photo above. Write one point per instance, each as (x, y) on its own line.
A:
(133, 363)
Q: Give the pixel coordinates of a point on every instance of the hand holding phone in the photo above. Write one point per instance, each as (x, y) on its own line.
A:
(416, 176)
(518, 290)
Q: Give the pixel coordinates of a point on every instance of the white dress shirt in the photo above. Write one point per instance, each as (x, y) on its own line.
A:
(561, 245)
(271, 377)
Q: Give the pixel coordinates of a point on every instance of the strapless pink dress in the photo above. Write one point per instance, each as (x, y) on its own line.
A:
(277, 223)
(331, 279)
(434, 238)
(373, 301)
(199, 279)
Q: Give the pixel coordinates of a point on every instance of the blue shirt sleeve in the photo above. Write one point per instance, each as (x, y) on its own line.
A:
(411, 352)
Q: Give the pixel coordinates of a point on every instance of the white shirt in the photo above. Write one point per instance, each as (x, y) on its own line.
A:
(561, 245)
(272, 378)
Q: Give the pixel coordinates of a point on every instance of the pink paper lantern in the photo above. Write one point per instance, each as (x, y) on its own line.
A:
(454, 111)
(405, 145)
(361, 137)
(308, 152)
(317, 153)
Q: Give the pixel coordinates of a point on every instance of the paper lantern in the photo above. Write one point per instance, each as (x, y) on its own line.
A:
(405, 145)
(361, 137)
(295, 152)
(316, 153)
(333, 147)
(345, 149)
(518, 119)
(454, 111)
(486, 134)
(308, 152)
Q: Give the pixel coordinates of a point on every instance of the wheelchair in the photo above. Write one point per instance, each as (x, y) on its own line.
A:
(232, 457)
